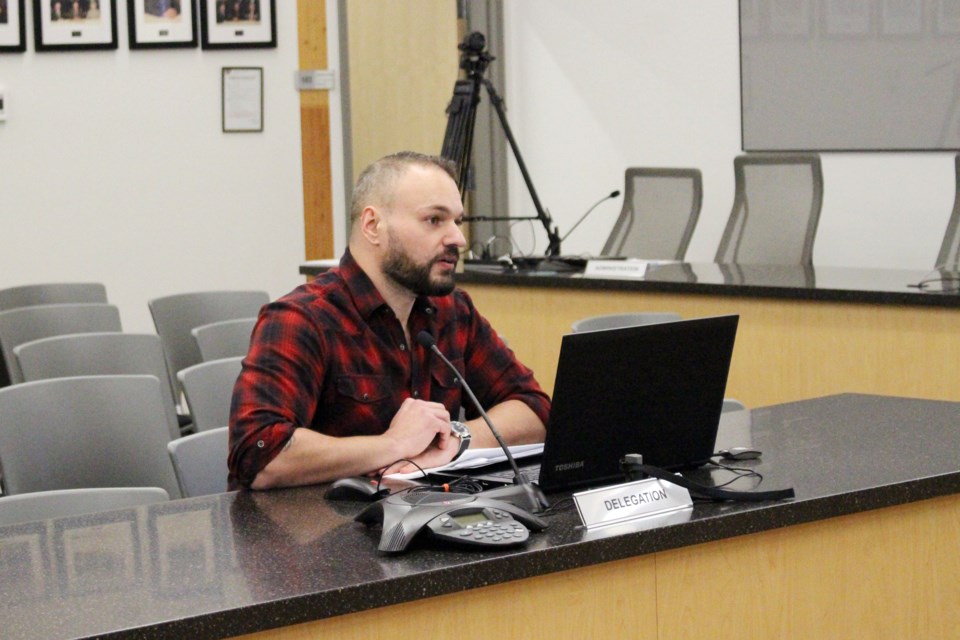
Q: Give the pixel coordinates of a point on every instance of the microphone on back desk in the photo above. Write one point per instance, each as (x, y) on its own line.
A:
(596, 204)
(522, 492)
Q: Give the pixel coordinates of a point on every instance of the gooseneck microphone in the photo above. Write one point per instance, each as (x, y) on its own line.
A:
(522, 493)
(596, 204)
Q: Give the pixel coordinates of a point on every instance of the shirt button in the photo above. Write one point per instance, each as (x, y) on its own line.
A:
(366, 396)
(416, 394)
(261, 444)
(429, 310)
(403, 347)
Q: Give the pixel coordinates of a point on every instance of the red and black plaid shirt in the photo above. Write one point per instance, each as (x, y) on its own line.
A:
(331, 356)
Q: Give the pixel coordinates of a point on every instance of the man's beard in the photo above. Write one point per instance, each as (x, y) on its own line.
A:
(399, 267)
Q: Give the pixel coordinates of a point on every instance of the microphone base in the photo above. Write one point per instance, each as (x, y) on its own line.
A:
(527, 496)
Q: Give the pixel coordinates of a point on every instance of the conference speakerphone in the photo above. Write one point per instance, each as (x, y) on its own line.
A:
(459, 518)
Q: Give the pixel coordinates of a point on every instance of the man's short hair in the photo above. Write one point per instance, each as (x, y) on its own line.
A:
(373, 185)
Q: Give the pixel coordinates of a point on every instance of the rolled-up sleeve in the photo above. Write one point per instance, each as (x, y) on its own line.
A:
(276, 390)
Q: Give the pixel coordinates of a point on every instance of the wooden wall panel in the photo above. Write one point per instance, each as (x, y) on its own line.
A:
(403, 61)
(315, 133)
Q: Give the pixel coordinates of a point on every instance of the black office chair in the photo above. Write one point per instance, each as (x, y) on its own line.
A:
(660, 212)
(776, 210)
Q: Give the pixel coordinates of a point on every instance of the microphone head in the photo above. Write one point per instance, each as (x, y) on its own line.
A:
(615, 194)
(426, 339)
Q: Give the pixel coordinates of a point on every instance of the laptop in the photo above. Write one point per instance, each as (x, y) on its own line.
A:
(656, 390)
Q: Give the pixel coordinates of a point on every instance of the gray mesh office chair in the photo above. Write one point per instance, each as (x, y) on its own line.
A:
(96, 354)
(949, 256)
(200, 462)
(618, 320)
(87, 431)
(18, 326)
(208, 388)
(51, 293)
(41, 505)
(660, 212)
(224, 339)
(775, 212)
(174, 316)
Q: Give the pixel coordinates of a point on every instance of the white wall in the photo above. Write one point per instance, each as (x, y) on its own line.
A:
(596, 87)
(113, 168)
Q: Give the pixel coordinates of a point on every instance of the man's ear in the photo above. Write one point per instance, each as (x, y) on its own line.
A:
(371, 224)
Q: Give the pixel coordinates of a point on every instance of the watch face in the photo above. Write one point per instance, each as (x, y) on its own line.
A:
(460, 429)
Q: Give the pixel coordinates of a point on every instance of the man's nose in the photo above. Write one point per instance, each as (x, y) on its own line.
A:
(456, 237)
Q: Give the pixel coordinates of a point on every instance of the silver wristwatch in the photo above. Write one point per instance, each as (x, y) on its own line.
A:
(462, 431)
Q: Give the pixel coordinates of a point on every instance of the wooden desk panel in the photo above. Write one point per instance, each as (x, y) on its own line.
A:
(892, 573)
(786, 349)
(617, 599)
(887, 574)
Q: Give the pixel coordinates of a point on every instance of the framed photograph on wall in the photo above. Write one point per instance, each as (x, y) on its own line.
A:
(162, 24)
(68, 25)
(13, 27)
(238, 24)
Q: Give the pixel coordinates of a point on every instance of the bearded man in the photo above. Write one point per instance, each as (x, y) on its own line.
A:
(333, 384)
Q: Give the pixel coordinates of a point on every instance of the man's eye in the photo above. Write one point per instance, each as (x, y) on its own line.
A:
(435, 220)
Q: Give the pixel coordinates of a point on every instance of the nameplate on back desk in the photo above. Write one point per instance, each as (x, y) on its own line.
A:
(630, 268)
(630, 501)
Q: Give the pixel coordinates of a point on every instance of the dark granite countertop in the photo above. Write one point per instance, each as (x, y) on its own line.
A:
(241, 562)
(878, 286)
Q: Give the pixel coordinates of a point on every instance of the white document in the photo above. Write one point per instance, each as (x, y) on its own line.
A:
(473, 458)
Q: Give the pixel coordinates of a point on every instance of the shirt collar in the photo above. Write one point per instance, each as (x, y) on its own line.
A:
(365, 295)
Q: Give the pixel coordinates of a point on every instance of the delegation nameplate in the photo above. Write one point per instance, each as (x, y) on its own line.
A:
(630, 500)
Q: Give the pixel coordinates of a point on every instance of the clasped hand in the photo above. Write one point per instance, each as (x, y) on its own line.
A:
(421, 430)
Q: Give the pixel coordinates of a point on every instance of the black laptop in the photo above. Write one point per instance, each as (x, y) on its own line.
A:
(656, 390)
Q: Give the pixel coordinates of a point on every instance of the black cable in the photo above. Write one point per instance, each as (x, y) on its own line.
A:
(394, 463)
(924, 284)
(634, 469)
(562, 504)
(739, 472)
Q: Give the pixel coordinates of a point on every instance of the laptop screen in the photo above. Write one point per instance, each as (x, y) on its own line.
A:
(656, 390)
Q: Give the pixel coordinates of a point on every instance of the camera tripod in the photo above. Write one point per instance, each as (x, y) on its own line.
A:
(458, 138)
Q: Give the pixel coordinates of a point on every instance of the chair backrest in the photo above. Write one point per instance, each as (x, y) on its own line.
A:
(18, 326)
(731, 404)
(51, 293)
(174, 316)
(618, 320)
(95, 354)
(660, 212)
(200, 462)
(87, 431)
(208, 388)
(224, 339)
(41, 505)
(776, 209)
(949, 256)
